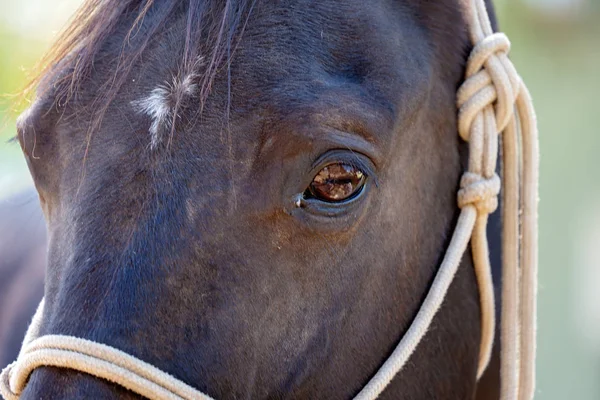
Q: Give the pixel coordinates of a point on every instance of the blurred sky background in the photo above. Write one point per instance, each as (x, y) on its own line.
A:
(556, 48)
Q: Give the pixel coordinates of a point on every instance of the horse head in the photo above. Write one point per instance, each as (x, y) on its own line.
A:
(255, 196)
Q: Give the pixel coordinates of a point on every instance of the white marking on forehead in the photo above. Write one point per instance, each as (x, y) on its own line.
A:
(160, 103)
(156, 106)
(186, 86)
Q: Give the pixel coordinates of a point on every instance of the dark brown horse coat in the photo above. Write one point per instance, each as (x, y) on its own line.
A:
(173, 177)
(22, 268)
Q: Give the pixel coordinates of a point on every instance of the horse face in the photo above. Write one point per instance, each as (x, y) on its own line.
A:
(279, 241)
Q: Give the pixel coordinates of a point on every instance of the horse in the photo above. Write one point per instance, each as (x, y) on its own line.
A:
(255, 196)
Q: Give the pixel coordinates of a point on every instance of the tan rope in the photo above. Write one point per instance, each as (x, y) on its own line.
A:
(101, 361)
(92, 358)
(492, 100)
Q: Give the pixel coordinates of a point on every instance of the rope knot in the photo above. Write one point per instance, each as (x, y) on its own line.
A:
(491, 79)
(480, 192)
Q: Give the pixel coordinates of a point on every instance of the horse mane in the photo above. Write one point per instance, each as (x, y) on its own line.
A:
(70, 61)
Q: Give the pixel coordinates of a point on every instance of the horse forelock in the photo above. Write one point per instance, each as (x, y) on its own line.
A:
(116, 34)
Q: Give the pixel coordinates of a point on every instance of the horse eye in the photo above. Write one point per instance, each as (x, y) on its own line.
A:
(336, 183)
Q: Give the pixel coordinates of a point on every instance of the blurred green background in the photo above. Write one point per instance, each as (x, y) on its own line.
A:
(556, 48)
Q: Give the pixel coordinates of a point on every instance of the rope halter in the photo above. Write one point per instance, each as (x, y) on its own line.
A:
(492, 100)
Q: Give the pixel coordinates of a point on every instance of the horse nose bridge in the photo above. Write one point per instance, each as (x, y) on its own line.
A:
(66, 384)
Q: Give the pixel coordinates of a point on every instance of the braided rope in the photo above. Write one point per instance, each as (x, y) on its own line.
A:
(492, 100)
(98, 360)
